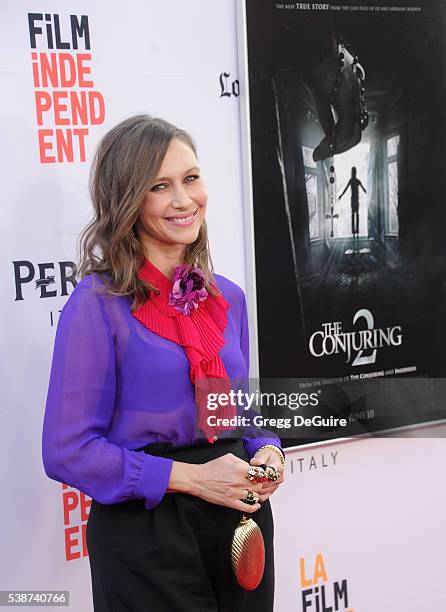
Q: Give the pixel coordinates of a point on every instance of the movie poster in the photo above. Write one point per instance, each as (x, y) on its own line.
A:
(347, 126)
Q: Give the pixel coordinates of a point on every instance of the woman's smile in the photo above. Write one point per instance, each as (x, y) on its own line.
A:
(183, 219)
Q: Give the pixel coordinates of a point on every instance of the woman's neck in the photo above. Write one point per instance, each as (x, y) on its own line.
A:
(166, 259)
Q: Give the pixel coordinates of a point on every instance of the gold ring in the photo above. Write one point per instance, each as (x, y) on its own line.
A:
(272, 473)
(256, 474)
(250, 498)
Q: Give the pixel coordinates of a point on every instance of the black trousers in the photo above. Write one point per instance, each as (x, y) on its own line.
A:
(176, 556)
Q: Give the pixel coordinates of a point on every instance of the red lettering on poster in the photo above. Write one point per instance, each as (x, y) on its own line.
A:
(65, 99)
(76, 510)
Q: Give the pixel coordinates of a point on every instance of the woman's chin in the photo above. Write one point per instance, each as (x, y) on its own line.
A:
(183, 236)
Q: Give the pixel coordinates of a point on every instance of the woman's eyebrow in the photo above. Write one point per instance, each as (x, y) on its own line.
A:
(166, 178)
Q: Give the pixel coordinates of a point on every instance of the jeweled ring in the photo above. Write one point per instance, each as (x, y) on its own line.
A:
(256, 474)
(250, 498)
(272, 473)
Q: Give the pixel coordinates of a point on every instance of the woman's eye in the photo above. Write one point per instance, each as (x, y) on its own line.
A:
(162, 186)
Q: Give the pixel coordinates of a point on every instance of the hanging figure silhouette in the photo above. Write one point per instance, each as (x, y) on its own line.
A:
(354, 184)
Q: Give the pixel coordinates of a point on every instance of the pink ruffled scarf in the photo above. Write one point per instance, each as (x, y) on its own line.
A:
(200, 332)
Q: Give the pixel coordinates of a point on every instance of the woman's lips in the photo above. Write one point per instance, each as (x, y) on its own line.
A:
(182, 222)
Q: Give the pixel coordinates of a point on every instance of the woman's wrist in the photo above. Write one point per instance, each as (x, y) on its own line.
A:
(275, 449)
(184, 478)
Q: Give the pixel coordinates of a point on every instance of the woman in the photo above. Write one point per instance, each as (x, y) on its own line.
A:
(142, 343)
(354, 184)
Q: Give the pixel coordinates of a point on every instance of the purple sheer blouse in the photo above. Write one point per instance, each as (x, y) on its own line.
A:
(115, 386)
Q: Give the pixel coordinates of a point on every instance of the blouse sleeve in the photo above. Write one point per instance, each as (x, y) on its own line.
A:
(254, 437)
(79, 410)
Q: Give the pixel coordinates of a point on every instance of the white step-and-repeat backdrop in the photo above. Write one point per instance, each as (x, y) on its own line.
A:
(358, 525)
(70, 71)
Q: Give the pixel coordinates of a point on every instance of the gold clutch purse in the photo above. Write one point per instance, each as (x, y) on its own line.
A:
(248, 554)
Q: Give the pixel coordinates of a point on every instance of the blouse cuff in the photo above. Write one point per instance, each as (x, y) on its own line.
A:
(252, 445)
(154, 480)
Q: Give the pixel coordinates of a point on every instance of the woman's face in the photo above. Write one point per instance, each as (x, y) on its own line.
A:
(175, 203)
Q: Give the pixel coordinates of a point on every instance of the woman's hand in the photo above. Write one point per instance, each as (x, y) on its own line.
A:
(222, 481)
(269, 457)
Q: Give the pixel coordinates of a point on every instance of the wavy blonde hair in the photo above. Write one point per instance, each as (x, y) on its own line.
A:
(127, 159)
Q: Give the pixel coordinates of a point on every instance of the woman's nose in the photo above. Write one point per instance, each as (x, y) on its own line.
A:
(180, 196)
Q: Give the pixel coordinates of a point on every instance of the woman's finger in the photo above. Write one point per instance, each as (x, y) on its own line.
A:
(263, 498)
(270, 489)
(243, 493)
(256, 487)
(245, 508)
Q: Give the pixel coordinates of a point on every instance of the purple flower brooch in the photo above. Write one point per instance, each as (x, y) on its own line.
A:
(188, 288)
